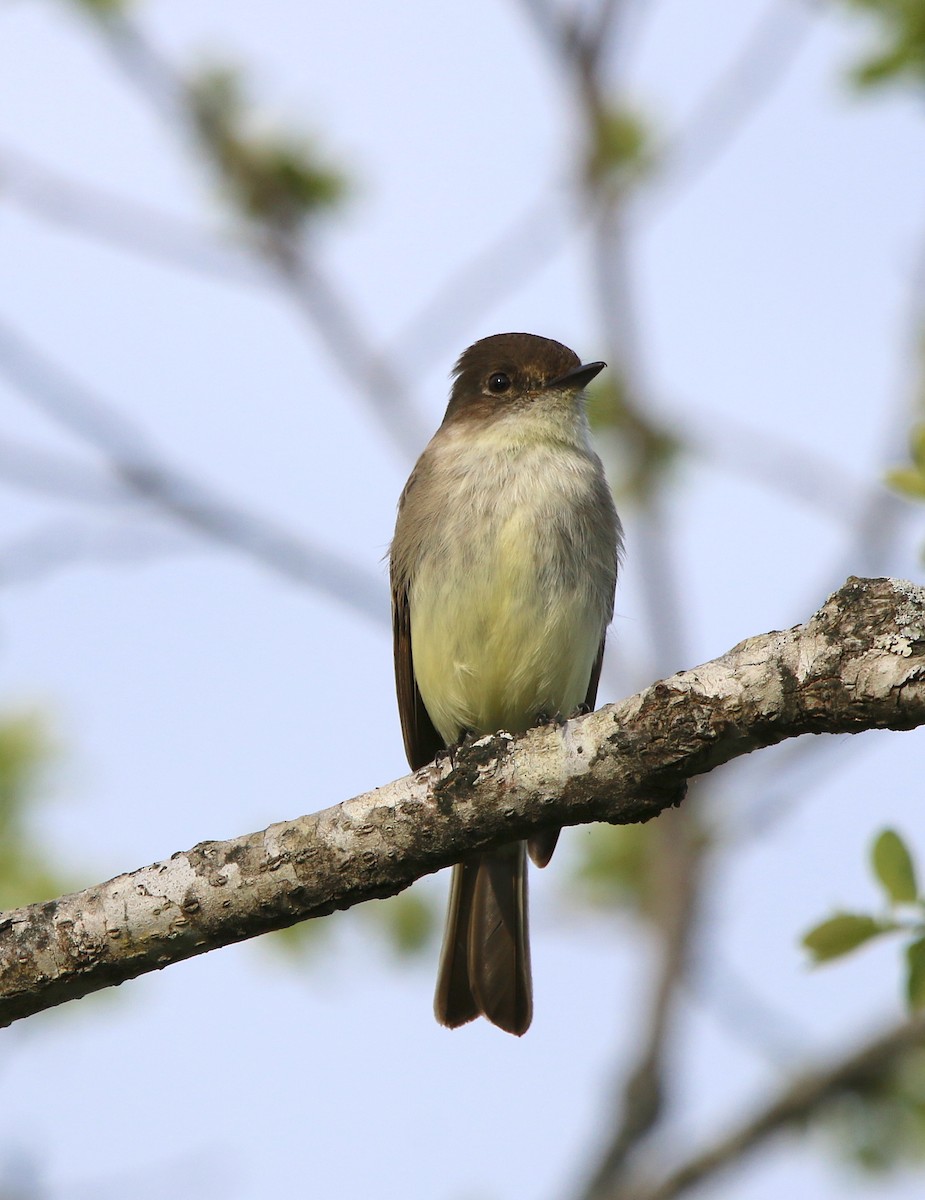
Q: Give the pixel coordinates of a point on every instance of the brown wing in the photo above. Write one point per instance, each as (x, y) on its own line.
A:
(591, 695)
(421, 739)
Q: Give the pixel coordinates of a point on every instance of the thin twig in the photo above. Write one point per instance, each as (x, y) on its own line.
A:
(739, 1009)
(644, 1087)
(63, 544)
(53, 475)
(676, 868)
(805, 1097)
(732, 101)
(772, 460)
(315, 294)
(316, 297)
(879, 518)
(527, 244)
(139, 468)
(123, 223)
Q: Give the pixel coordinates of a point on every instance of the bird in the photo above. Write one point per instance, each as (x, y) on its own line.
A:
(503, 570)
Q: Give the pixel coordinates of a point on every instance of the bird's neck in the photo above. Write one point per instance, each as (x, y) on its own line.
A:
(543, 426)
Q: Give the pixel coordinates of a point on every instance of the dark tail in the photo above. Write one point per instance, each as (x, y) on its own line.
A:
(485, 961)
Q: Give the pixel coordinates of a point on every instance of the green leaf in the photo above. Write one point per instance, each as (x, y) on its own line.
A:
(843, 933)
(894, 867)
(917, 446)
(26, 750)
(104, 8)
(648, 449)
(410, 920)
(910, 481)
(915, 977)
(620, 146)
(898, 53)
(272, 176)
(907, 480)
(613, 869)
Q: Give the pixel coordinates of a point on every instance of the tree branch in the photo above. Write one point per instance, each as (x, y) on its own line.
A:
(678, 864)
(135, 465)
(315, 294)
(869, 1064)
(61, 544)
(859, 663)
(734, 99)
(124, 223)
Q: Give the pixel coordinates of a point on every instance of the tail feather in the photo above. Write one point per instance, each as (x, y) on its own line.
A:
(454, 1004)
(541, 846)
(485, 962)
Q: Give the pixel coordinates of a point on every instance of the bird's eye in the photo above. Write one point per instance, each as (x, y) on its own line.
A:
(499, 382)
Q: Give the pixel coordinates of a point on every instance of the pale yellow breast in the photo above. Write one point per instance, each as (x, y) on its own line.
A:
(499, 635)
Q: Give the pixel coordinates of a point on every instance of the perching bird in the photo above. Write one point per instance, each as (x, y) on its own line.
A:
(503, 569)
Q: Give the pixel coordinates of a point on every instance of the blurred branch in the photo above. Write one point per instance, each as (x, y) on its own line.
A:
(315, 294)
(66, 543)
(778, 463)
(509, 260)
(676, 868)
(879, 516)
(555, 29)
(124, 224)
(25, 467)
(798, 1101)
(737, 97)
(604, 25)
(316, 297)
(120, 222)
(677, 861)
(612, 175)
(739, 1009)
(140, 469)
(729, 104)
(516, 255)
(734, 99)
(513, 260)
(858, 663)
(615, 158)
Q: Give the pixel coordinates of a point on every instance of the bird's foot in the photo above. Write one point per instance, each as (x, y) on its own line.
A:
(465, 738)
(544, 718)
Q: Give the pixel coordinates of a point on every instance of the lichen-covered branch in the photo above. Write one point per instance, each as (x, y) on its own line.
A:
(858, 663)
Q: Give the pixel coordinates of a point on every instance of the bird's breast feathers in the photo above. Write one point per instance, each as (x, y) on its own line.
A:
(506, 598)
